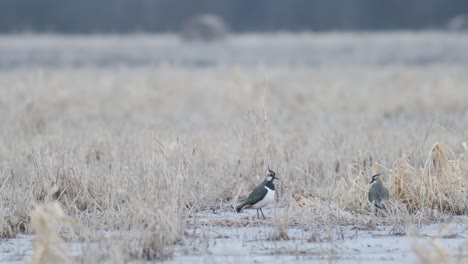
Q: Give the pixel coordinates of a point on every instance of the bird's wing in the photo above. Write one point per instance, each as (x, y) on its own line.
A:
(256, 195)
(371, 195)
(385, 194)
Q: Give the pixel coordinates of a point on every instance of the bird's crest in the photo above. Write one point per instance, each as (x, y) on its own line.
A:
(374, 178)
(271, 175)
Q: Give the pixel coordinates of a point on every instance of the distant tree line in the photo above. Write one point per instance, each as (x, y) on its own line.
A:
(96, 16)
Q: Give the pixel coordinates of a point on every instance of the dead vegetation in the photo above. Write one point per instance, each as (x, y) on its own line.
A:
(439, 185)
(140, 150)
(46, 223)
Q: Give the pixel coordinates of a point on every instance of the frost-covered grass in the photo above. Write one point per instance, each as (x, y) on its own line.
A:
(140, 150)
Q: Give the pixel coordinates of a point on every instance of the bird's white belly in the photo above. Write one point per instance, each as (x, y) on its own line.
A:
(267, 200)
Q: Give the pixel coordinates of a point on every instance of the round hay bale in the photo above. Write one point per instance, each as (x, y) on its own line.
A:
(458, 23)
(203, 28)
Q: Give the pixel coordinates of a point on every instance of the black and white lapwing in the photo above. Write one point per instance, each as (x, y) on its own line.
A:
(261, 196)
(378, 194)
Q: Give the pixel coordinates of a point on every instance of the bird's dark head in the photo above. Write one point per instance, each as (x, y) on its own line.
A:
(375, 178)
(271, 175)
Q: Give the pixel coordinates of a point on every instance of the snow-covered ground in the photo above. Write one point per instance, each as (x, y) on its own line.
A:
(336, 244)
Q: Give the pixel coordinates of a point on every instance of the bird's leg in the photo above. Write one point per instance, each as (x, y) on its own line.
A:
(262, 213)
(258, 216)
(374, 208)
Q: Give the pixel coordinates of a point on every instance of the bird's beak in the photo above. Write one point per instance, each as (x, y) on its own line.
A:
(276, 178)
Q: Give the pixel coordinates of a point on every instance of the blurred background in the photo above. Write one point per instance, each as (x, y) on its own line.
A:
(90, 16)
(57, 33)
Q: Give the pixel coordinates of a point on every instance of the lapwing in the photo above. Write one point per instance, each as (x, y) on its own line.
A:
(378, 194)
(261, 196)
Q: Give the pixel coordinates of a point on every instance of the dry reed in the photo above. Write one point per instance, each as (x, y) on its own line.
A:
(439, 185)
(46, 222)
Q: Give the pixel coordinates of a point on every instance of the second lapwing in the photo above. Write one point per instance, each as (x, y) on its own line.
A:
(378, 194)
(261, 196)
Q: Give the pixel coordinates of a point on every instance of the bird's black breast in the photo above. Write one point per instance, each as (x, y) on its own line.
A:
(270, 185)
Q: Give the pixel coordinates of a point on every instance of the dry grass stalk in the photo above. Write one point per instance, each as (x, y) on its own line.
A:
(440, 163)
(400, 186)
(156, 230)
(439, 185)
(351, 191)
(430, 251)
(376, 169)
(281, 221)
(301, 201)
(46, 222)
